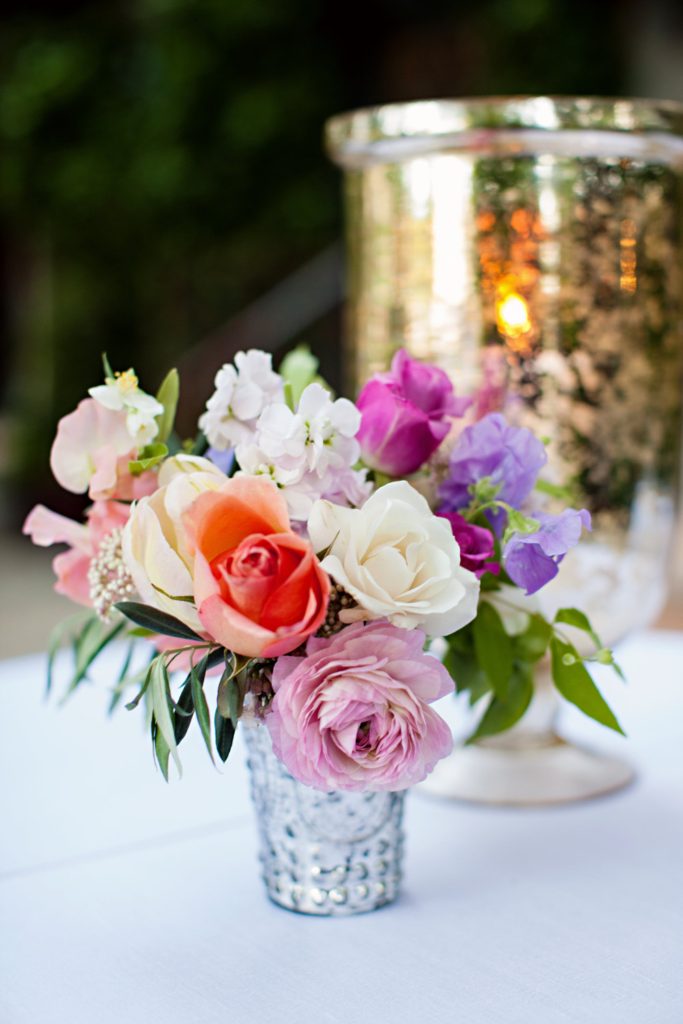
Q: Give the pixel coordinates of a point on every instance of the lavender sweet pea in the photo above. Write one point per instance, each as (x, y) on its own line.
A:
(354, 713)
(475, 543)
(404, 415)
(531, 560)
(510, 456)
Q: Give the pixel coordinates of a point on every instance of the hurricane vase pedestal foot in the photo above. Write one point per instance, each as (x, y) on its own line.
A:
(530, 765)
(326, 854)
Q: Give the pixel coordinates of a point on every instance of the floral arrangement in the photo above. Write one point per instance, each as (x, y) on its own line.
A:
(310, 552)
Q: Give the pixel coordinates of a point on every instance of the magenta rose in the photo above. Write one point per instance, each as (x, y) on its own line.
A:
(354, 713)
(405, 415)
(475, 543)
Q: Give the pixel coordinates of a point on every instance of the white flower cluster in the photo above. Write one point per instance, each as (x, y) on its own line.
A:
(121, 393)
(242, 392)
(308, 452)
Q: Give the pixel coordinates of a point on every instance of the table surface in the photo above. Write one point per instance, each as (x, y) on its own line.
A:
(126, 899)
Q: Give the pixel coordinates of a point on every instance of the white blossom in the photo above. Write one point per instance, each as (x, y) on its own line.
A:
(309, 453)
(122, 393)
(243, 391)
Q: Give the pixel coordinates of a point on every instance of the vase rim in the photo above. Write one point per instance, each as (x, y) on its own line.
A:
(622, 127)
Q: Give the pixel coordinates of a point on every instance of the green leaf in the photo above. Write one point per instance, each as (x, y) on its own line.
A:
(298, 369)
(484, 490)
(230, 698)
(493, 648)
(225, 734)
(58, 638)
(201, 708)
(161, 707)
(106, 366)
(160, 746)
(466, 674)
(573, 681)
(560, 491)
(532, 644)
(121, 678)
(88, 645)
(577, 619)
(151, 455)
(502, 713)
(159, 622)
(143, 689)
(184, 710)
(168, 396)
(518, 523)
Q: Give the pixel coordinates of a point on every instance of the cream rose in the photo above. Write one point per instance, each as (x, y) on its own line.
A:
(397, 559)
(154, 544)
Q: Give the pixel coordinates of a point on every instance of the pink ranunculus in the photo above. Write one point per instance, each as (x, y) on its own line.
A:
(405, 415)
(476, 544)
(71, 567)
(354, 713)
(91, 453)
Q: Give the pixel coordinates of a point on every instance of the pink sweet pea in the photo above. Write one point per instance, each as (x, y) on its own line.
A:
(71, 567)
(91, 453)
(405, 415)
(354, 713)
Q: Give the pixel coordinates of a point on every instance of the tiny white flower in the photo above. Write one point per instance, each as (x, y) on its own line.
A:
(122, 392)
(243, 391)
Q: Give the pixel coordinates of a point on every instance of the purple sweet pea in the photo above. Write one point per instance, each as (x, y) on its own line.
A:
(222, 459)
(531, 560)
(404, 415)
(511, 456)
(475, 543)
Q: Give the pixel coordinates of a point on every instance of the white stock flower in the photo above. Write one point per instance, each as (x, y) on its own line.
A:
(243, 391)
(121, 393)
(309, 453)
(397, 559)
(154, 547)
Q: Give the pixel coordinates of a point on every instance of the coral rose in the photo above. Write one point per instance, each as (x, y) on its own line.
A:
(354, 713)
(258, 587)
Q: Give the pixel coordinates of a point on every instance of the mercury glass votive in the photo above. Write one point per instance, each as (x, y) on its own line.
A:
(531, 246)
(330, 854)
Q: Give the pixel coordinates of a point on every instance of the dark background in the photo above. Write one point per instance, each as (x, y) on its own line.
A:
(161, 169)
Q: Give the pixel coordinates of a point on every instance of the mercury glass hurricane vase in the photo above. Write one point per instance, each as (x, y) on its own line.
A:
(329, 854)
(532, 248)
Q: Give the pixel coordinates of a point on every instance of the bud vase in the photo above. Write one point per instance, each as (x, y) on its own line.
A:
(327, 854)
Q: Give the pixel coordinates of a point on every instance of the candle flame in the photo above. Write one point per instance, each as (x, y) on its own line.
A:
(512, 315)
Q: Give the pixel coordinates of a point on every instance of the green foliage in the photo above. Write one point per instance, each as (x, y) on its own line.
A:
(493, 648)
(574, 682)
(168, 394)
(504, 712)
(483, 659)
(151, 455)
(156, 621)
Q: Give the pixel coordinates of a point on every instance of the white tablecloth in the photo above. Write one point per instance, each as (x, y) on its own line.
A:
(123, 899)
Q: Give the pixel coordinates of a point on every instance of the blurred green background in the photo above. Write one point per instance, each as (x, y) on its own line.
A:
(161, 169)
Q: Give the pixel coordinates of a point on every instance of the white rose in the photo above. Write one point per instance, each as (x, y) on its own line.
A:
(154, 546)
(397, 559)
